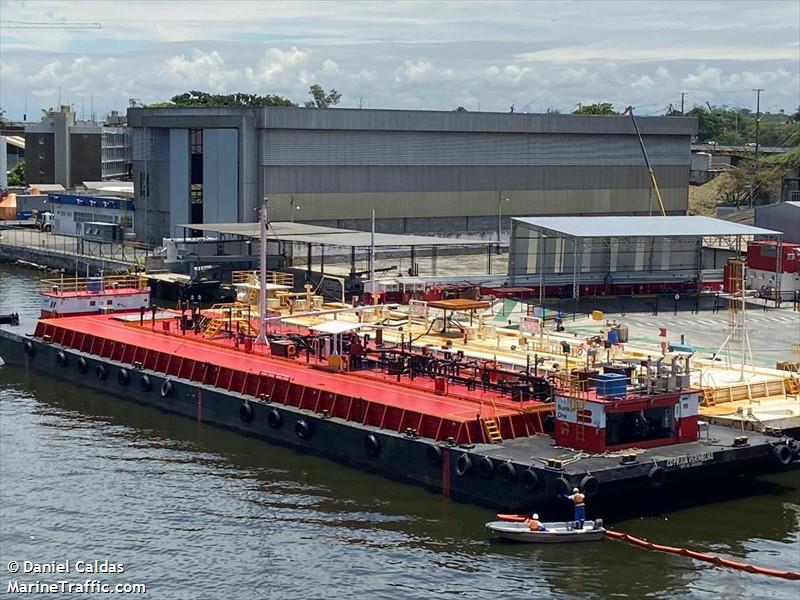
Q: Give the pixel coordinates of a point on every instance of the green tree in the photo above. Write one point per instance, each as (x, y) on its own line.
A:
(320, 99)
(598, 108)
(460, 109)
(16, 176)
(765, 176)
(196, 98)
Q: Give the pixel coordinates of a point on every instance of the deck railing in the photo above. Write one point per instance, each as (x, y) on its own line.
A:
(93, 284)
(275, 277)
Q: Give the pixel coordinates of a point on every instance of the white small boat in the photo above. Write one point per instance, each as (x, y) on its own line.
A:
(557, 532)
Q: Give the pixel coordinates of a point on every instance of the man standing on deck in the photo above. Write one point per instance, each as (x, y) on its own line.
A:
(580, 508)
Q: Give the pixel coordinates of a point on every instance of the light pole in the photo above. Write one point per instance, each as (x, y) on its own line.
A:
(292, 213)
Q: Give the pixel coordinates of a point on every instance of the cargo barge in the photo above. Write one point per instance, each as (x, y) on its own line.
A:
(475, 430)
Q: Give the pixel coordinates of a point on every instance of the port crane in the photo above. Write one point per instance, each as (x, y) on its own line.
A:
(629, 111)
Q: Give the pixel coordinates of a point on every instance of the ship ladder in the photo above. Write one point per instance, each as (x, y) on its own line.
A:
(792, 386)
(492, 430)
(578, 404)
(213, 328)
(708, 397)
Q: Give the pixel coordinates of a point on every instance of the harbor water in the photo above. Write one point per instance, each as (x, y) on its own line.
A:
(197, 512)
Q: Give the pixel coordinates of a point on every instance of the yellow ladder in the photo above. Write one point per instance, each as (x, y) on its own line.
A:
(708, 397)
(213, 328)
(579, 424)
(492, 431)
(792, 386)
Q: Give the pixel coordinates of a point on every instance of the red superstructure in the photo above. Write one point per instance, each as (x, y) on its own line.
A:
(595, 423)
(92, 295)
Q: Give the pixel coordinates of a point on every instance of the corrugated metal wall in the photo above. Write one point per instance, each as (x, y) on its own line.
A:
(399, 148)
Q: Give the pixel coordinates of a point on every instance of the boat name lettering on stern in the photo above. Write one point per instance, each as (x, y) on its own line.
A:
(688, 460)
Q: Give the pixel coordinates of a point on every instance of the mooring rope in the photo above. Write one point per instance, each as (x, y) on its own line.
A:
(709, 558)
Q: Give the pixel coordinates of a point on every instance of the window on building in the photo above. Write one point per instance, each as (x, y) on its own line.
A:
(196, 141)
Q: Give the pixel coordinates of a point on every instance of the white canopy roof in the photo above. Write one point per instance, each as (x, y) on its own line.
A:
(336, 327)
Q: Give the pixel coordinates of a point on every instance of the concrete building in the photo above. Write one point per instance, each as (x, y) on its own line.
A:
(421, 171)
(65, 151)
(781, 216)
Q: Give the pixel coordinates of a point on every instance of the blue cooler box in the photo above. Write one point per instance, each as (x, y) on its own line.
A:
(611, 385)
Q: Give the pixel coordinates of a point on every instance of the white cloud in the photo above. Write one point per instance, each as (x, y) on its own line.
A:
(201, 69)
(419, 71)
(279, 67)
(644, 82)
(407, 55)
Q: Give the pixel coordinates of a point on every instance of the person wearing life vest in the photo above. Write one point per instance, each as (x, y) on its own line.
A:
(580, 508)
(534, 523)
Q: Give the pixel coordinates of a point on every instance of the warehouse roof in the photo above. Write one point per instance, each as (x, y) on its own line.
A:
(331, 236)
(679, 226)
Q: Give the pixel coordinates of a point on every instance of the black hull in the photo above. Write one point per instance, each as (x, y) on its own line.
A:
(435, 466)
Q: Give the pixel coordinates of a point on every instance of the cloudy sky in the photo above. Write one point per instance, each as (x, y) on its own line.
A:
(431, 55)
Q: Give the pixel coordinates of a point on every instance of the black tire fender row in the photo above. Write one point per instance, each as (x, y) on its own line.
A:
(274, 418)
(372, 445)
(507, 471)
(29, 348)
(246, 413)
(83, 366)
(783, 453)
(145, 384)
(166, 388)
(123, 377)
(463, 465)
(61, 358)
(529, 479)
(433, 454)
(302, 429)
(560, 487)
(657, 476)
(590, 486)
(486, 467)
(101, 372)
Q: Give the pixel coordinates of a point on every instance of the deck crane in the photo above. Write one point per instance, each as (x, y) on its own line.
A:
(629, 111)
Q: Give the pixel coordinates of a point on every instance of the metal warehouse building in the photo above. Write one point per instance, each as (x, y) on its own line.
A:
(627, 255)
(421, 171)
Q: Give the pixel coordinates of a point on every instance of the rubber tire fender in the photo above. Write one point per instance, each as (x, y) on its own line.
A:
(434, 454)
(246, 412)
(101, 372)
(61, 358)
(463, 464)
(83, 366)
(274, 418)
(372, 446)
(302, 429)
(507, 471)
(560, 487)
(486, 467)
(29, 348)
(782, 453)
(123, 377)
(166, 388)
(657, 476)
(590, 486)
(529, 479)
(145, 384)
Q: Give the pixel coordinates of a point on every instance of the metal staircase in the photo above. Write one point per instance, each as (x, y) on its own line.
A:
(492, 430)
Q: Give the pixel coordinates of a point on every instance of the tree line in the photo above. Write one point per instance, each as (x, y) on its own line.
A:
(194, 98)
